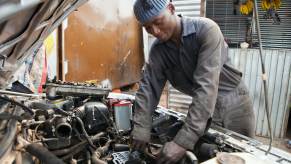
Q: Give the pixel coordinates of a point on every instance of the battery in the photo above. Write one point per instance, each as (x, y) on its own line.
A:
(123, 115)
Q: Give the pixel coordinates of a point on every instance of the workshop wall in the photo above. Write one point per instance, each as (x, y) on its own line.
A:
(278, 69)
(278, 61)
(102, 40)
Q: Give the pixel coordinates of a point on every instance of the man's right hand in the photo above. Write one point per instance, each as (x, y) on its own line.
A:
(138, 145)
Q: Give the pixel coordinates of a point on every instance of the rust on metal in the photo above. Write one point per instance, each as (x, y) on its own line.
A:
(104, 41)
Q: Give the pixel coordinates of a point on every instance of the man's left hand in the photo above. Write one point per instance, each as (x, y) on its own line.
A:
(171, 153)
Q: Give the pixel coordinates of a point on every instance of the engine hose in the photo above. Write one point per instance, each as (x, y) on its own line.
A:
(79, 147)
(95, 157)
(96, 160)
(120, 147)
(81, 144)
(69, 150)
(40, 105)
(193, 159)
(88, 157)
(25, 108)
(61, 111)
(75, 151)
(85, 133)
(103, 150)
(43, 154)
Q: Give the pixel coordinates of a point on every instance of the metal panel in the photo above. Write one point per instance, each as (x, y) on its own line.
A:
(103, 40)
(278, 68)
(190, 8)
(278, 65)
(277, 36)
(237, 28)
(233, 25)
(178, 100)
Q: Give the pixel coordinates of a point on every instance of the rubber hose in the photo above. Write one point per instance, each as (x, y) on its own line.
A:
(43, 154)
(120, 147)
(96, 160)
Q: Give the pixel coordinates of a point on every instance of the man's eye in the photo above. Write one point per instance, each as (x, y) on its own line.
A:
(147, 28)
(158, 22)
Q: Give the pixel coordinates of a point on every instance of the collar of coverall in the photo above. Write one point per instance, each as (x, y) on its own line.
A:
(186, 27)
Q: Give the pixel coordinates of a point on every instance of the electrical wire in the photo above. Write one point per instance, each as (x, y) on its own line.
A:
(264, 76)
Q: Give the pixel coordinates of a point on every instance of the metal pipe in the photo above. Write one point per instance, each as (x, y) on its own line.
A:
(264, 75)
(18, 94)
(63, 128)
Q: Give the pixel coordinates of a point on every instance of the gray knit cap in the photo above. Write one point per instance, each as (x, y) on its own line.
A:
(145, 10)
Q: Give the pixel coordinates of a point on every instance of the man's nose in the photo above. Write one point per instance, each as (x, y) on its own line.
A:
(155, 30)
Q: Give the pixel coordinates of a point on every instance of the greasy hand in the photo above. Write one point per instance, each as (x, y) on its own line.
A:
(171, 153)
(138, 145)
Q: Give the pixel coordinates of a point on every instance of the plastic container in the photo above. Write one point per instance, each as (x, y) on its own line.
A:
(123, 115)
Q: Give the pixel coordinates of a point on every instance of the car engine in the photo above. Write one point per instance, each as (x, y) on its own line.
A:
(85, 123)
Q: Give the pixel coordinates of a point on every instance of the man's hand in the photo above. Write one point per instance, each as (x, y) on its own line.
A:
(138, 145)
(171, 153)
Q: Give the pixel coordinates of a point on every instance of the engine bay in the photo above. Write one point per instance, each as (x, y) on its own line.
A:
(85, 123)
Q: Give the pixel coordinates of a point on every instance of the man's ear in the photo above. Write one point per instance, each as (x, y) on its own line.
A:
(171, 8)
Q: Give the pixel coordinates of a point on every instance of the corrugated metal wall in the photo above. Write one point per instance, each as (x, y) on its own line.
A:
(278, 67)
(190, 8)
(238, 28)
(277, 36)
(226, 14)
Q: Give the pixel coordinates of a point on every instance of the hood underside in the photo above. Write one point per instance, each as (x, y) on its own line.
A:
(24, 24)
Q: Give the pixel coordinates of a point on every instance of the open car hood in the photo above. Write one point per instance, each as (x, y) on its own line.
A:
(24, 24)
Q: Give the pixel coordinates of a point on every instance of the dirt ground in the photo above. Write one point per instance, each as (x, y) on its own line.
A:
(278, 143)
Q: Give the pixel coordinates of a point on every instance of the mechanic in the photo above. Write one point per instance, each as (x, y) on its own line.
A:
(191, 54)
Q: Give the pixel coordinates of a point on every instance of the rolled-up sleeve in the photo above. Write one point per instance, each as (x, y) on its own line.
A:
(148, 96)
(206, 76)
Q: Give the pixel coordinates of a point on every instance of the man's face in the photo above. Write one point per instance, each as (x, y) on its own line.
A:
(163, 25)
